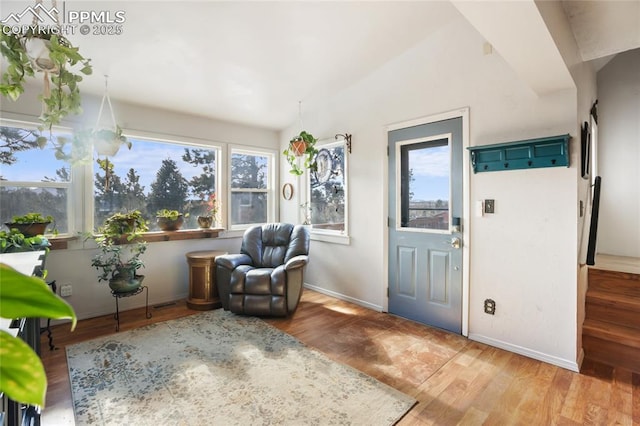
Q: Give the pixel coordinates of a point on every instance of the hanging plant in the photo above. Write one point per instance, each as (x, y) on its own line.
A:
(54, 56)
(106, 141)
(301, 146)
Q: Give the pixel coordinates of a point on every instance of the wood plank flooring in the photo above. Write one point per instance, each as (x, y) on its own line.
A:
(455, 380)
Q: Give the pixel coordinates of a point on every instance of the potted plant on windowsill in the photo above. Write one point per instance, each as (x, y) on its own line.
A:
(14, 241)
(302, 145)
(30, 224)
(169, 220)
(206, 220)
(121, 246)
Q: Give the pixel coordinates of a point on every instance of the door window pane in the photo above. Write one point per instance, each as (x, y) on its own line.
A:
(425, 185)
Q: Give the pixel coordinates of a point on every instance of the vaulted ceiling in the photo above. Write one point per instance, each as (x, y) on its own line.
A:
(252, 62)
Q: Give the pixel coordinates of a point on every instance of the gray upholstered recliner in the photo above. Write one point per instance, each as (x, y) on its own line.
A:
(266, 278)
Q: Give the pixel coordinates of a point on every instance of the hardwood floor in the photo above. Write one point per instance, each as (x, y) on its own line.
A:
(455, 380)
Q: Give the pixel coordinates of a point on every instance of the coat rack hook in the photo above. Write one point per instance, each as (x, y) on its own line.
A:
(347, 138)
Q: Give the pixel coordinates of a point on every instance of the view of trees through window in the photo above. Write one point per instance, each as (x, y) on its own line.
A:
(31, 179)
(249, 188)
(427, 186)
(168, 176)
(151, 176)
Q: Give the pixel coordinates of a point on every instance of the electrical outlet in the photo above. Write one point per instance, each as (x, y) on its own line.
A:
(489, 206)
(66, 290)
(490, 306)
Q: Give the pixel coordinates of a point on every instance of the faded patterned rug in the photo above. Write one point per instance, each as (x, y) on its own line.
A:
(217, 368)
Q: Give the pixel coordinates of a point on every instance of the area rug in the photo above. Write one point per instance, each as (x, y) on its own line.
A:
(217, 368)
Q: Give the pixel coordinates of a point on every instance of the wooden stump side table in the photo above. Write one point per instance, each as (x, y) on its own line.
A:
(203, 291)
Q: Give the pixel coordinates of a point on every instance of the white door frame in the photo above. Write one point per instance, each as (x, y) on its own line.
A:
(466, 215)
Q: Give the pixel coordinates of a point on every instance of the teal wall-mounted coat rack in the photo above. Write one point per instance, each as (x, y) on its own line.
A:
(551, 151)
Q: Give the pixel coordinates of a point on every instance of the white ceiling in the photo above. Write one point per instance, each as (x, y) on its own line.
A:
(252, 62)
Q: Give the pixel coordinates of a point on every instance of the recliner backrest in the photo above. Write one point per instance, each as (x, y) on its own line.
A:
(274, 244)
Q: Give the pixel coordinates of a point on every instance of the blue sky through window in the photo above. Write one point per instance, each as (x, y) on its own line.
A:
(145, 157)
(430, 172)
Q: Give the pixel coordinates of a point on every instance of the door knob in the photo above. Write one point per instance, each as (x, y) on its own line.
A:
(456, 243)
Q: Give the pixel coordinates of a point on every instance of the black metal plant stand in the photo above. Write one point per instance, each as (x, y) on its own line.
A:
(47, 329)
(135, 292)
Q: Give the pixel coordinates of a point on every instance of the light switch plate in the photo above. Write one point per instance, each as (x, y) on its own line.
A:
(489, 206)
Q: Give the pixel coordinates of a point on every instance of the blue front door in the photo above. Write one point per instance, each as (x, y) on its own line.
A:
(425, 210)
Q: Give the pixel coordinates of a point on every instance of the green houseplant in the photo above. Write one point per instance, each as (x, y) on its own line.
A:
(22, 375)
(14, 241)
(30, 224)
(77, 150)
(302, 145)
(169, 220)
(55, 59)
(121, 248)
(108, 142)
(211, 210)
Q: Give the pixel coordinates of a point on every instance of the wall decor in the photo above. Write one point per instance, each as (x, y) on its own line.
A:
(585, 150)
(287, 191)
(550, 151)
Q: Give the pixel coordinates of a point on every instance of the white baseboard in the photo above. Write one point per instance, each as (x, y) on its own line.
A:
(580, 358)
(549, 359)
(344, 297)
(112, 309)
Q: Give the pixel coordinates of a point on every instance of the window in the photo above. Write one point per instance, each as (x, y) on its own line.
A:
(424, 202)
(169, 175)
(34, 179)
(326, 207)
(251, 182)
(155, 174)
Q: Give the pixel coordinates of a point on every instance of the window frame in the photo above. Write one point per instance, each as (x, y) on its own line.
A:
(72, 189)
(158, 138)
(270, 191)
(80, 189)
(430, 140)
(330, 235)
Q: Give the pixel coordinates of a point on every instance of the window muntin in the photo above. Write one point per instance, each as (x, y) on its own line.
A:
(251, 188)
(326, 206)
(169, 175)
(33, 179)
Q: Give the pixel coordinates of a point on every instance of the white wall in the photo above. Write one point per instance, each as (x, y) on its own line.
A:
(524, 256)
(619, 155)
(584, 79)
(166, 271)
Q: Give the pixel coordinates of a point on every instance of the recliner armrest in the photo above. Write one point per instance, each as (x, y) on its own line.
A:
(232, 261)
(296, 262)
